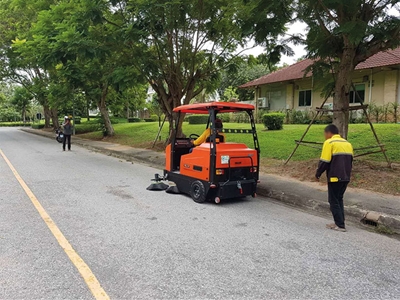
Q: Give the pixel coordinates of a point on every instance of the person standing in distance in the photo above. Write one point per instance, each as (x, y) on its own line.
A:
(67, 130)
(337, 160)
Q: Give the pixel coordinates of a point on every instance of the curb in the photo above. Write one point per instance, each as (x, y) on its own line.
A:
(389, 222)
(355, 214)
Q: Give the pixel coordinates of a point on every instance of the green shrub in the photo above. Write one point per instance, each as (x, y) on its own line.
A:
(258, 118)
(326, 119)
(134, 120)
(224, 117)
(115, 120)
(241, 117)
(37, 126)
(299, 116)
(155, 117)
(273, 121)
(150, 120)
(360, 120)
(198, 119)
(77, 120)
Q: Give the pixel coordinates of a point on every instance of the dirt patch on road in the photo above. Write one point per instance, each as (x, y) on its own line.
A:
(373, 176)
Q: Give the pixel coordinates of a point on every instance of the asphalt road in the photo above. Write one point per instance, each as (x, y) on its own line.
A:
(146, 245)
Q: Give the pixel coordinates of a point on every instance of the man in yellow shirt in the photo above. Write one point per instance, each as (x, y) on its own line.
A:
(337, 160)
(207, 133)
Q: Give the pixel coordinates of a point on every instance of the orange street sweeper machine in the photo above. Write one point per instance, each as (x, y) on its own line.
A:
(216, 169)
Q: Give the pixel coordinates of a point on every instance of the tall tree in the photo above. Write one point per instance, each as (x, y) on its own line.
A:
(16, 20)
(342, 34)
(22, 100)
(180, 46)
(246, 68)
(82, 52)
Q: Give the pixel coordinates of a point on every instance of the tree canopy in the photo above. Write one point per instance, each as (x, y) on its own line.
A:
(341, 35)
(106, 53)
(104, 49)
(181, 46)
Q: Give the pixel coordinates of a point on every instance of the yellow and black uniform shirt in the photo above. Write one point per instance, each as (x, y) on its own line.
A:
(203, 138)
(336, 159)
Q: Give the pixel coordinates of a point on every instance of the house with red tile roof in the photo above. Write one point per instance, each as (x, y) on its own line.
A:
(376, 80)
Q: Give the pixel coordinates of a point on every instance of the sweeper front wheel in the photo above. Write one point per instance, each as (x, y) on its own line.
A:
(198, 192)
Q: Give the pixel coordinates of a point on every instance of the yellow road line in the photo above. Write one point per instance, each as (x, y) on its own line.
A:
(91, 280)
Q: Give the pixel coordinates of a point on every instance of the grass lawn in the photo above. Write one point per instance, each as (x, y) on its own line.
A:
(274, 144)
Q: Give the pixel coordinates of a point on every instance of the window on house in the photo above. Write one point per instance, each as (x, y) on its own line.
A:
(360, 91)
(305, 98)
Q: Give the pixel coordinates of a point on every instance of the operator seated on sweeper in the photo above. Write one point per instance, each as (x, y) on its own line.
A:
(207, 133)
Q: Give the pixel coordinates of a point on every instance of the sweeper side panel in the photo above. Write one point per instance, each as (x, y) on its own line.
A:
(197, 164)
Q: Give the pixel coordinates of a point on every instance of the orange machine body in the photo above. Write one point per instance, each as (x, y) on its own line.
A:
(228, 155)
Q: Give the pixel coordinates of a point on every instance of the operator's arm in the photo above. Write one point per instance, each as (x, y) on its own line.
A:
(201, 139)
(325, 160)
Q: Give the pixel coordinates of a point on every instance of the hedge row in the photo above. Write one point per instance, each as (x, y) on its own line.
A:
(17, 124)
(203, 119)
(37, 126)
(197, 119)
(150, 120)
(134, 120)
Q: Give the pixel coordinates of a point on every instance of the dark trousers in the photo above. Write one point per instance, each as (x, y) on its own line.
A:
(336, 192)
(67, 137)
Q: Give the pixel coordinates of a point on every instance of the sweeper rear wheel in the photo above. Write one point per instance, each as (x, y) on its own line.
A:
(198, 192)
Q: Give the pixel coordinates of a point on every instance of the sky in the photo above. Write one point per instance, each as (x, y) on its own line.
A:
(299, 50)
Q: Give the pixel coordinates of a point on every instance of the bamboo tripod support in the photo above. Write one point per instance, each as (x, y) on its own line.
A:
(359, 107)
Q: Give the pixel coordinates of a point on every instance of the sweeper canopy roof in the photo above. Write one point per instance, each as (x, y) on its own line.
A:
(220, 107)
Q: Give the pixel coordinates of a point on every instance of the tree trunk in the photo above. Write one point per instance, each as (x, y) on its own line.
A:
(54, 118)
(87, 109)
(47, 116)
(109, 130)
(172, 130)
(24, 115)
(342, 90)
(172, 99)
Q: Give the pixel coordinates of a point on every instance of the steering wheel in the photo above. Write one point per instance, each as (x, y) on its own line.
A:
(194, 136)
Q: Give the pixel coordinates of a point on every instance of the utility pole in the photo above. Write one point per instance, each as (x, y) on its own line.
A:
(256, 103)
(73, 113)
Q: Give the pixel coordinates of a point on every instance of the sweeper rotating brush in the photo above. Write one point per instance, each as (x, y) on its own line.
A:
(172, 189)
(158, 185)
